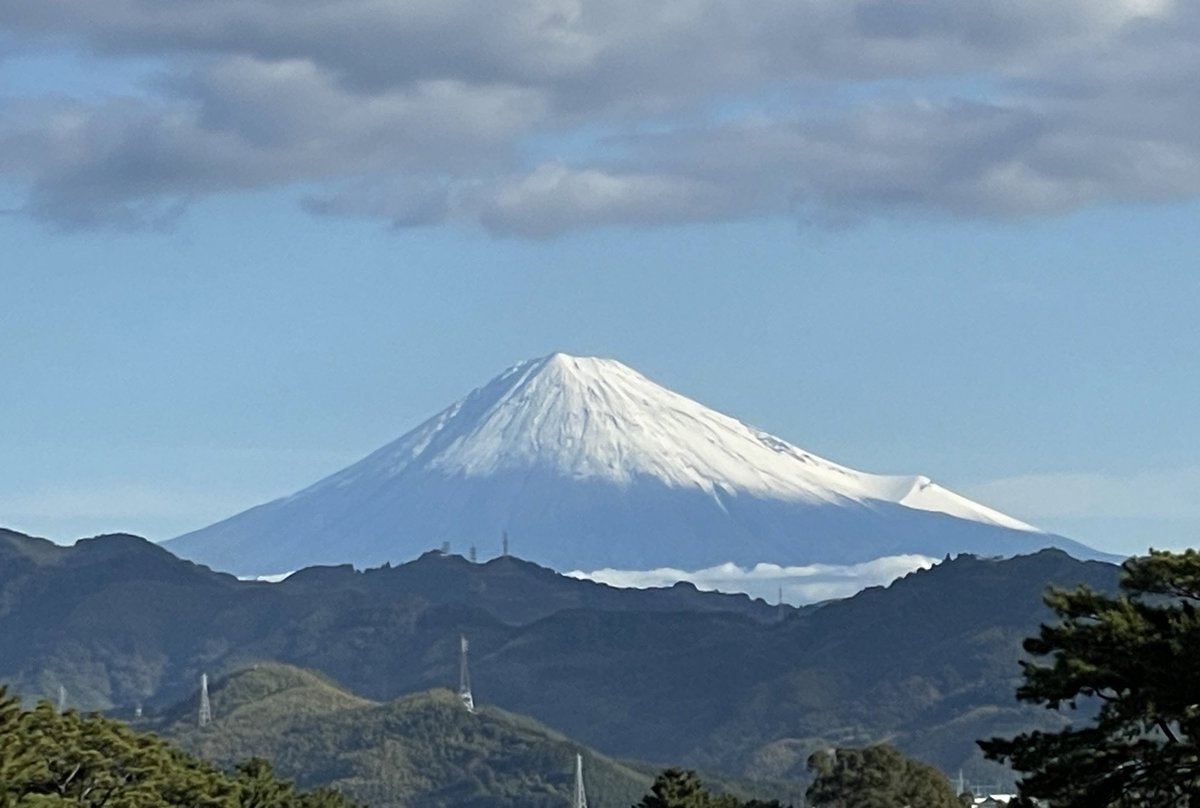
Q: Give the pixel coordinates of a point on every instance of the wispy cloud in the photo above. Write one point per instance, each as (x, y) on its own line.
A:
(108, 502)
(182, 495)
(65, 512)
(424, 113)
(799, 585)
(1165, 494)
(1121, 513)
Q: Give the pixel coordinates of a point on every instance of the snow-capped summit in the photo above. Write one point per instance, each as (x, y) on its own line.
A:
(591, 418)
(586, 463)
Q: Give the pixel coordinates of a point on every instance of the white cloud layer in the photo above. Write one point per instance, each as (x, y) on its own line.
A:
(799, 585)
(536, 117)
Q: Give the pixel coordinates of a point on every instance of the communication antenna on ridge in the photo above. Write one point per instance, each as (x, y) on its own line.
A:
(62, 699)
(580, 800)
(205, 705)
(464, 677)
(504, 543)
(473, 555)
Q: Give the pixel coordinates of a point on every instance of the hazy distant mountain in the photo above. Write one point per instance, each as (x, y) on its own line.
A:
(930, 662)
(586, 464)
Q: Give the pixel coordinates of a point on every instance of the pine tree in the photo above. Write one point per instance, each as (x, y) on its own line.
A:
(50, 759)
(1134, 659)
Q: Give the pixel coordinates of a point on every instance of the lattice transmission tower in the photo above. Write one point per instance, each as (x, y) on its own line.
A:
(464, 677)
(580, 800)
(205, 704)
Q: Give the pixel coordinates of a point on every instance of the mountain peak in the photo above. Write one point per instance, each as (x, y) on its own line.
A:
(585, 377)
(584, 417)
(582, 366)
(595, 418)
(590, 464)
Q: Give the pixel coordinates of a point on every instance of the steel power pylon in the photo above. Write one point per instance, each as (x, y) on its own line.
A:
(205, 706)
(464, 677)
(580, 800)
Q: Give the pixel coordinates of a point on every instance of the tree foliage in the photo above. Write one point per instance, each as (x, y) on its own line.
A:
(876, 777)
(1133, 659)
(677, 788)
(50, 759)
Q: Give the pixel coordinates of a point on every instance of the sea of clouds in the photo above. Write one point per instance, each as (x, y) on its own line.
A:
(799, 585)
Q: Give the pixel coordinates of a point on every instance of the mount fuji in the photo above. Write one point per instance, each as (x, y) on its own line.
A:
(586, 464)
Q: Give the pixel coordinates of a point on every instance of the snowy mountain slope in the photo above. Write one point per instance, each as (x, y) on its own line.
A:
(586, 464)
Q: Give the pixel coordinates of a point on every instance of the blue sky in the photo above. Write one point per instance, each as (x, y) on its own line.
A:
(243, 248)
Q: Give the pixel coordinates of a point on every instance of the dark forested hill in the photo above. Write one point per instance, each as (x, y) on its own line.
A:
(120, 621)
(667, 675)
(518, 592)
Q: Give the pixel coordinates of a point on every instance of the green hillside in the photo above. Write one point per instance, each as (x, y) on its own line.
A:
(420, 750)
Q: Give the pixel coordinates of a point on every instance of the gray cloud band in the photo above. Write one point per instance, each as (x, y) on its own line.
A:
(535, 117)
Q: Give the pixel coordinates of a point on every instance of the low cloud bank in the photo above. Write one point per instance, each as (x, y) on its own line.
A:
(800, 585)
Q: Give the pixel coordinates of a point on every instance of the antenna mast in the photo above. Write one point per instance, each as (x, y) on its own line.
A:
(464, 677)
(205, 705)
(62, 699)
(580, 800)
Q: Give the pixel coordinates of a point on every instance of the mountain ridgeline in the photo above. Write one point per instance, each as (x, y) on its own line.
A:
(587, 465)
(669, 675)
